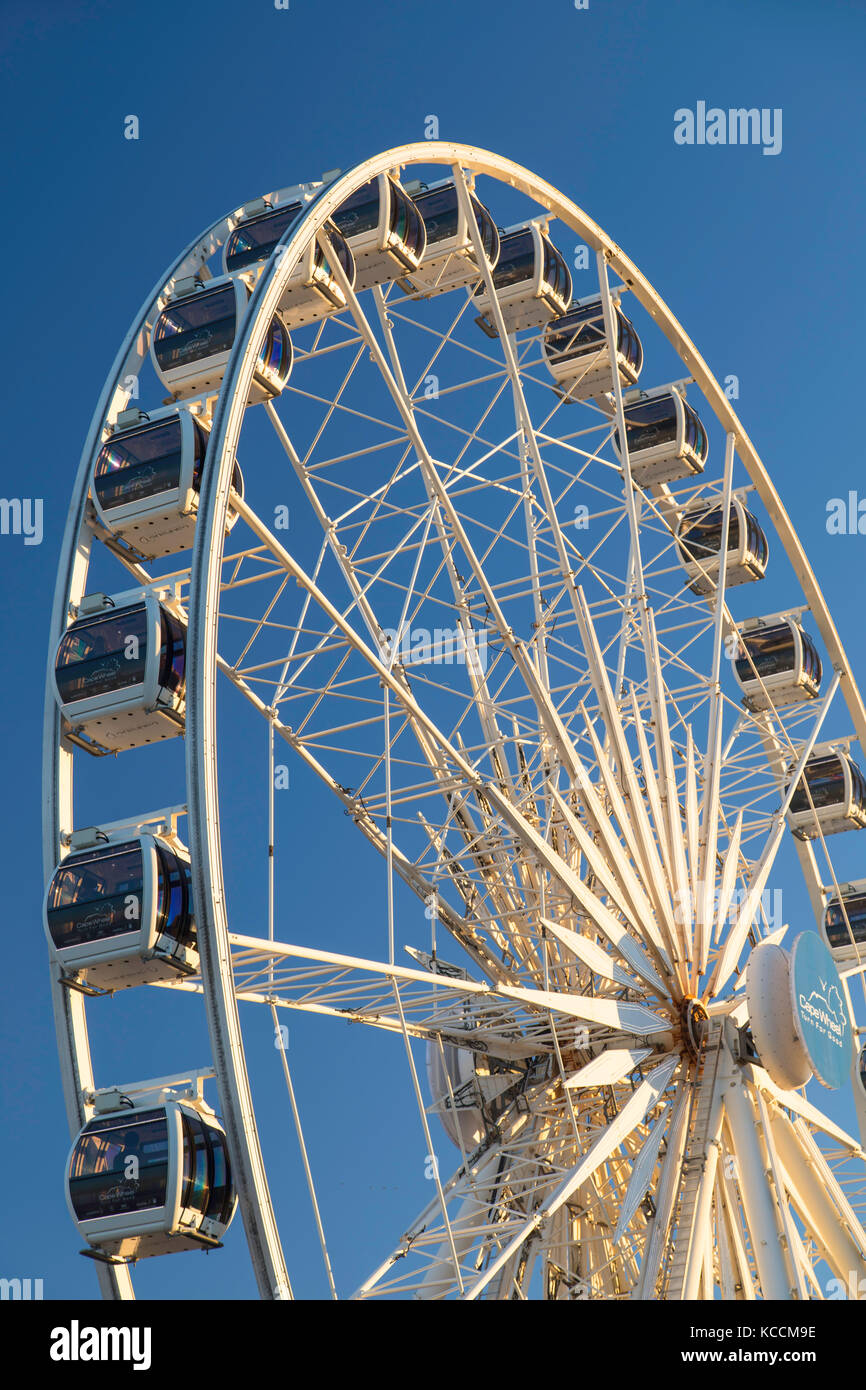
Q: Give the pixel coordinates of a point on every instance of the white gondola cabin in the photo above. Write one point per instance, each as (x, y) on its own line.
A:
(576, 351)
(830, 797)
(313, 290)
(120, 672)
(531, 281)
(193, 337)
(147, 480)
(385, 232)
(699, 540)
(664, 436)
(118, 909)
(776, 664)
(845, 922)
(450, 261)
(151, 1180)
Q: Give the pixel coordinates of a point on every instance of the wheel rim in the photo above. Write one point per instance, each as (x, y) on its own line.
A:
(665, 1084)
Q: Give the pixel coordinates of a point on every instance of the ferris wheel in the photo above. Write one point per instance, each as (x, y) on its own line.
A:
(543, 631)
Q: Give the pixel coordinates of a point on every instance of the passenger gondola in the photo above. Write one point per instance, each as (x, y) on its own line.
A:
(664, 437)
(313, 290)
(385, 232)
(845, 921)
(151, 1180)
(699, 540)
(119, 911)
(830, 797)
(450, 262)
(147, 480)
(194, 335)
(576, 351)
(120, 672)
(531, 280)
(776, 664)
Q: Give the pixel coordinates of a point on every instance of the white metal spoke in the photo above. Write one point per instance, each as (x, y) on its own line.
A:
(484, 635)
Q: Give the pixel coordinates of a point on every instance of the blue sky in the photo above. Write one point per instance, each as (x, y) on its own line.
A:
(755, 254)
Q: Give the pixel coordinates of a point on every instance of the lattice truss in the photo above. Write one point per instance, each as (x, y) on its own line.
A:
(484, 643)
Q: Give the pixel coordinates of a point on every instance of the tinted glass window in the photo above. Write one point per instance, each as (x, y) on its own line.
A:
(172, 653)
(256, 239)
(756, 539)
(488, 230)
(139, 464)
(516, 259)
(399, 218)
(275, 358)
(102, 654)
(339, 252)
(826, 783)
(416, 236)
(838, 933)
(811, 660)
(439, 211)
(406, 223)
(120, 1166)
(197, 1176)
(696, 438)
(577, 333)
(221, 1197)
(194, 328)
(650, 423)
(221, 1201)
(89, 897)
(172, 895)
(629, 342)
(772, 651)
(360, 213)
(702, 538)
(556, 272)
(201, 439)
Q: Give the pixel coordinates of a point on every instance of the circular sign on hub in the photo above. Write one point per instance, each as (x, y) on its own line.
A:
(820, 1013)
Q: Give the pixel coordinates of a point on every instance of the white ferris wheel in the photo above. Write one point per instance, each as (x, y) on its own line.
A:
(516, 630)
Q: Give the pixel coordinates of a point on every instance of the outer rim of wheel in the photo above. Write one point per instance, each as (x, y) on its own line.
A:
(203, 614)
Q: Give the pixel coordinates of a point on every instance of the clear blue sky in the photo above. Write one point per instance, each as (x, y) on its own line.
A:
(756, 255)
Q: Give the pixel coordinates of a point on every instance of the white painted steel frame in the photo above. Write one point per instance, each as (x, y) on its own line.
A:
(203, 607)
